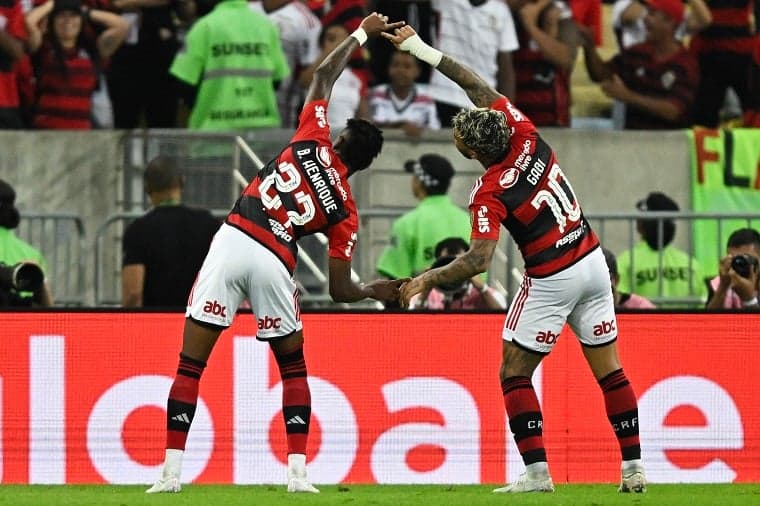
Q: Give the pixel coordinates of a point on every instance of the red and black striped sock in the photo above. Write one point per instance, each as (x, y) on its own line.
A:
(623, 412)
(525, 418)
(296, 399)
(183, 398)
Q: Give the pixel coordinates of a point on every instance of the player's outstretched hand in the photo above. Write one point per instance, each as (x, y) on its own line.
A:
(376, 23)
(399, 35)
(410, 289)
(386, 290)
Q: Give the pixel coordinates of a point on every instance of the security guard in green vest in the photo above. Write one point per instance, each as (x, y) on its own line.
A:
(231, 58)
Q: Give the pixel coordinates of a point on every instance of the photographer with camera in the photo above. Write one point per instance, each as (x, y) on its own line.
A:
(22, 278)
(473, 293)
(738, 281)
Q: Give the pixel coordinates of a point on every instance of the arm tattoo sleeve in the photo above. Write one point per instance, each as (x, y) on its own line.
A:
(479, 91)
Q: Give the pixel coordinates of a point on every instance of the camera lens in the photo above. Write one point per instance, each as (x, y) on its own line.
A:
(742, 264)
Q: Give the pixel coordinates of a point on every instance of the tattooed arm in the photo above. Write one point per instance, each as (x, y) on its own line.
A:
(474, 261)
(331, 67)
(480, 92)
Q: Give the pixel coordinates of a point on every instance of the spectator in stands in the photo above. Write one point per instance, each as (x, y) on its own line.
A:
(548, 45)
(654, 268)
(481, 33)
(349, 14)
(164, 249)
(142, 92)
(299, 35)
(228, 68)
(349, 95)
(415, 234)
(419, 15)
(629, 28)
(15, 251)
(623, 300)
(738, 283)
(403, 103)
(726, 52)
(473, 293)
(12, 45)
(656, 79)
(67, 60)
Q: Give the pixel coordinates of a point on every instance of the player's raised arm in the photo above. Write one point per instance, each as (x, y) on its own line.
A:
(329, 70)
(480, 92)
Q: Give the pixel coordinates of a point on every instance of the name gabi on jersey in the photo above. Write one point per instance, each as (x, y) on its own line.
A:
(321, 187)
(279, 231)
(239, 48)
(572, 236)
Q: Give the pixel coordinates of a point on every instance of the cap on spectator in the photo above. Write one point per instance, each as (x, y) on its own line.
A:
(9, 216)
(434, 171)
(657, 201)
(674, 9)
(66, 5)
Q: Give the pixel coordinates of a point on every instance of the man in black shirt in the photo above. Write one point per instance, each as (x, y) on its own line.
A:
(164, 249)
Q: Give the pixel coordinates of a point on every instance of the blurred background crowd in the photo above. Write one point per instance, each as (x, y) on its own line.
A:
(125, 64)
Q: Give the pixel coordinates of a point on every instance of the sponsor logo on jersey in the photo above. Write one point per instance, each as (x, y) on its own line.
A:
(323, 155)
(321, 115)
(239, 48)
(350, 245)
(508, 178)
(572, 236)
(214, 308)
(482, 222)
(269, 322)
(523, 161)
(547, 337)
(279, 230)
(336, 182)
(514, 112)
(604, 328)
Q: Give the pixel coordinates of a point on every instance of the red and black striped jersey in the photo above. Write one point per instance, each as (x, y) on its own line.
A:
(674, 79)
(528, 193)
(731, 28)
(542, 88)
(303, 190)
(64, 95)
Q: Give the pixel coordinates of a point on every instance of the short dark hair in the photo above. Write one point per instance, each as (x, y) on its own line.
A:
(161, 174)
(451, 244)
(362, 145)
(744, 237)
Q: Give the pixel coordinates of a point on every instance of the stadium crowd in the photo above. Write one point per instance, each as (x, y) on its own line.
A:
(233, 64)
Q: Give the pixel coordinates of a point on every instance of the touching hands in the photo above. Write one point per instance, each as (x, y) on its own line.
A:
(410, 289)
(399, 35)
(375, 24)
(386, 289)
(614, 87)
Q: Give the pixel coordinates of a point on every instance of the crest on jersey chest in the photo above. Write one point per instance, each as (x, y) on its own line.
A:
(509, 178)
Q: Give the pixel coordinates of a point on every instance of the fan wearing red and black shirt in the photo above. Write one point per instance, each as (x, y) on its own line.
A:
(566, 278)
(302, 191)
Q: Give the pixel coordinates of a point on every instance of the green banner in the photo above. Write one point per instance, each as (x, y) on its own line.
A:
(725, 175)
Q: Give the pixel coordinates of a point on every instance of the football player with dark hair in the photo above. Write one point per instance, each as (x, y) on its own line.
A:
(302, 191)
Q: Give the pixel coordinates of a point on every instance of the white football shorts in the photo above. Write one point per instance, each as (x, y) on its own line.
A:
(237, 268)
(580, 295)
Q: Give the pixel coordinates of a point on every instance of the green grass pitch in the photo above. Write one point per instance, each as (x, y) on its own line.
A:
(392, 495)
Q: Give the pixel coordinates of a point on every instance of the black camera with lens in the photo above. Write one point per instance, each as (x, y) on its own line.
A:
(18, 278)
(743, 264)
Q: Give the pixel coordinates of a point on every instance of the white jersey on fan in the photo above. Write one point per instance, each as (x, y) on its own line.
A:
(474, 36)
(417, 108)
(299, 34)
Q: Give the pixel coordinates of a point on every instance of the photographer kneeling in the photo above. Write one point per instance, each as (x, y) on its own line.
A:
(22, 278)
(738, 281)
(473, 293)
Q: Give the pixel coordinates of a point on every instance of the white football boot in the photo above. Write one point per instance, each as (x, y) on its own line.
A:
(539, 482)
(169, 480)
(633, 480)
(297, 481)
